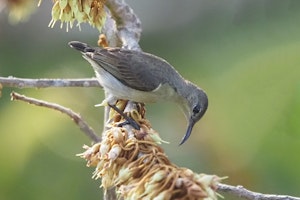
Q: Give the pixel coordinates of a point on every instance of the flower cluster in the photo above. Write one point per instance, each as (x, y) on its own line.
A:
(67, 11)
(132, 161)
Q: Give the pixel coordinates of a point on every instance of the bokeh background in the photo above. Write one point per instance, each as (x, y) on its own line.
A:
(244, 53)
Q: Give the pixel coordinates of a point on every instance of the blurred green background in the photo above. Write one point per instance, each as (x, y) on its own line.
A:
(245, 54)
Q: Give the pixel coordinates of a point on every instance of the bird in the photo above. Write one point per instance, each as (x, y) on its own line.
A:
(145, 78)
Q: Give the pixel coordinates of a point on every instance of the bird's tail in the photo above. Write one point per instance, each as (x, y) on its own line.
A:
(80, 46)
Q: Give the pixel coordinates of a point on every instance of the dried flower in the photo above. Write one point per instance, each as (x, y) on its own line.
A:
(114, 152)
(138, 167)
(102, 41)
(67, 11)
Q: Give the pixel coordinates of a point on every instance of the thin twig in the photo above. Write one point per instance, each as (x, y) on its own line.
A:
(74, 116)
(43, 83)
(242, 192)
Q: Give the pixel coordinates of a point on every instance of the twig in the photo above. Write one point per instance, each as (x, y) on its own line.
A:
(241, 192)
(43, 83)
(127, 22)
(74, 116)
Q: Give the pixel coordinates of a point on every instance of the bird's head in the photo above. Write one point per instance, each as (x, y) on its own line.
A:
(195, 105)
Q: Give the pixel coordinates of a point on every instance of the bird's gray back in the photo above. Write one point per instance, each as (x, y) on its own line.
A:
(138, 70)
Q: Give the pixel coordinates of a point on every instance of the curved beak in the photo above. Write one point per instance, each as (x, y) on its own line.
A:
(188, 131)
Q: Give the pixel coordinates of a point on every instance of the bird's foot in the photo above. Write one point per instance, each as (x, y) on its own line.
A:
(128, 119)
(124, 123)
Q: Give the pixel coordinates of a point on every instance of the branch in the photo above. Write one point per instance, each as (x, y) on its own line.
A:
(43, 83)
(74, 116)
(127, 23)
(241, 192)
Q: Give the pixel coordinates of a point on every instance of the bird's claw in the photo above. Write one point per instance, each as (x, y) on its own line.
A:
(128, 119)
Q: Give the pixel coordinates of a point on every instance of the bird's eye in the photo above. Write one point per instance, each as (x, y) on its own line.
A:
(196, 109)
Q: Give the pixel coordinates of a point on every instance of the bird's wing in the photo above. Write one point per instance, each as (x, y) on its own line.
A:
(134, 69)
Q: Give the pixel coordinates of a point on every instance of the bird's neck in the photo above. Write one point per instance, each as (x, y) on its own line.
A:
(185, 89)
